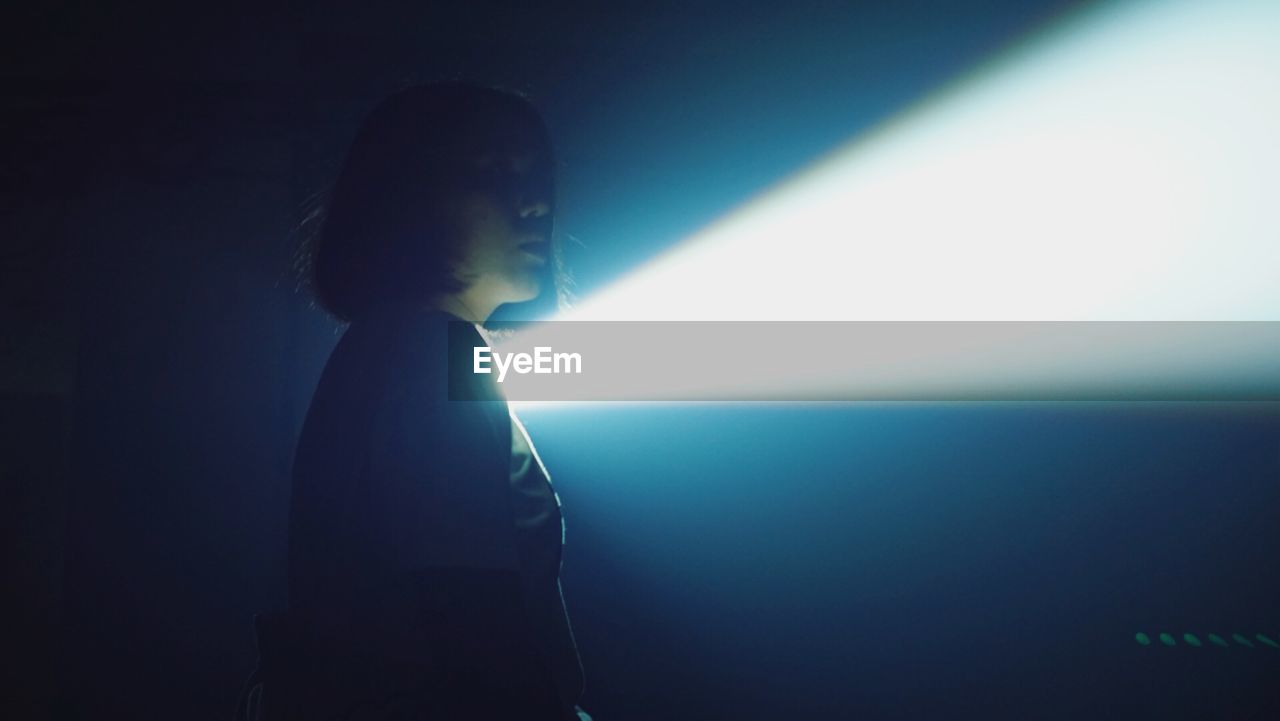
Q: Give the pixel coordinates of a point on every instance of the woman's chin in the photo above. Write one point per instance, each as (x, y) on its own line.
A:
(525, 288)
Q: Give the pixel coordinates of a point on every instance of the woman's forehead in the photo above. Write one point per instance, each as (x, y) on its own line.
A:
(510, 134)
(517, 158)
(513, 143)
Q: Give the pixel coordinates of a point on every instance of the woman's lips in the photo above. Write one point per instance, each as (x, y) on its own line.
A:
(538, 248)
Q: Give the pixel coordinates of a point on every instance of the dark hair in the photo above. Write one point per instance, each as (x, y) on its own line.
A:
(388, 233)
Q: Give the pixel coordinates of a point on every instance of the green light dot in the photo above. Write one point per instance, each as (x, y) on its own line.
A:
(1143, 639)
(1218, 640)
(1267, 641)
(1167, 640)
(1191, 639)
(1241, 640)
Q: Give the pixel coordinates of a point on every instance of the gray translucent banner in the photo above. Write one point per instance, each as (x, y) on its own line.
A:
(882, 361)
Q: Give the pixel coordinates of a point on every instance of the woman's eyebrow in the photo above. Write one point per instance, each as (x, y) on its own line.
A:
(489, 157)
(525, 161)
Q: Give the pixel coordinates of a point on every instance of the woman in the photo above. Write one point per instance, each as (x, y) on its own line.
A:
(425, 537)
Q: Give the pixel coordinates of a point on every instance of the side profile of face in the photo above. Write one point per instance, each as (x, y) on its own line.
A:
(505, 215)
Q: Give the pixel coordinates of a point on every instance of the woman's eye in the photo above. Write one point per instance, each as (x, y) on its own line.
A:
(500, 171)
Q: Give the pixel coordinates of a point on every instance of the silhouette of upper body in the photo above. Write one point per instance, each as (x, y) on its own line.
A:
(425, 537)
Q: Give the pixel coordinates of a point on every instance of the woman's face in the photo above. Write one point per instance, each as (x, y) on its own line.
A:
(506, 218)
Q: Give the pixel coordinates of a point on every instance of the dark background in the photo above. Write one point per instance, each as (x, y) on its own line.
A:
(722, 562)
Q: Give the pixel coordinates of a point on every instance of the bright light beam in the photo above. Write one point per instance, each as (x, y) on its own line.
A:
(1122, 167)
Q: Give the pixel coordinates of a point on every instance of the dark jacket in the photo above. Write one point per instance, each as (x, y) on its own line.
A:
(412, 590)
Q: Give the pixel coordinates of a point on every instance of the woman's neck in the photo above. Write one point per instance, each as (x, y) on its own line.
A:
(465, 307)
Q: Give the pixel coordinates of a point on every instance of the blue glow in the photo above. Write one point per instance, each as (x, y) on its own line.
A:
(1119, 167)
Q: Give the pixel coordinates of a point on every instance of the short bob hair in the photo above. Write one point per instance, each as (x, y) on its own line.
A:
(388, 234)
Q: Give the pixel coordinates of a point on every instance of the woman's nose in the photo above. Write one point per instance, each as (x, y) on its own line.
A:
(534, 209)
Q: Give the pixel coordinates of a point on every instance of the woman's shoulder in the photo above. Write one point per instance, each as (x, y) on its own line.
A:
(424, 353)
(402, 325)
(403, 339)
